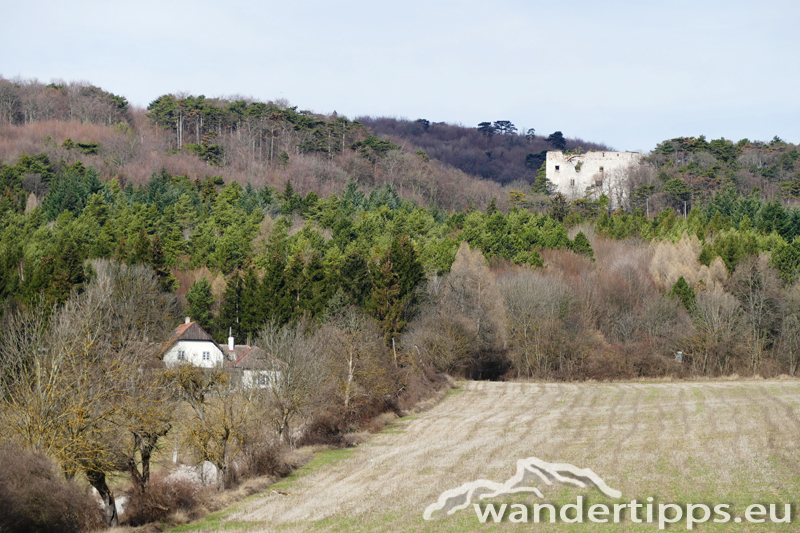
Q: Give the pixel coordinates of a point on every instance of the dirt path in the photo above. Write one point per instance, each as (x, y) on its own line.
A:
(733, 441)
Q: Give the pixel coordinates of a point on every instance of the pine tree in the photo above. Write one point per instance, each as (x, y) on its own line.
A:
(122, 250)
(409, 269)
(274, 295)
(354, 279)
(541, 184)
(582, 246)
(141, 249)
(559, 207)
(158, 260)
(229, 318)
(492, 207)
(706, 255)
(786, 260)
(384, 302)
(253, 310)
(683, 292)
(295, 285)
(395, 280)
(200, 301)
(317, 287)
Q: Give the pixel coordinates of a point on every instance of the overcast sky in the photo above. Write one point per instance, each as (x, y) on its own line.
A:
(629, 74)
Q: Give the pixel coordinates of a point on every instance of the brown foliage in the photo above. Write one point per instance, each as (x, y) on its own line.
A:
(166, 496)
(463, 328)
(714, 345)
(580, 319)
(132, 151)
(34, 497)
(76, 389)
(758, 289)
(264, 457)
(673, 260)
(468, 149)
(327, 425)
(536, 305)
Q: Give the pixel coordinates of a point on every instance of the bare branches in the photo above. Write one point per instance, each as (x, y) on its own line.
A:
(535, 306)
(293, 371)
(76, 384)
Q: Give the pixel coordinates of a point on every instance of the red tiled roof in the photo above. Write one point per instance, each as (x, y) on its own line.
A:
(187, 332)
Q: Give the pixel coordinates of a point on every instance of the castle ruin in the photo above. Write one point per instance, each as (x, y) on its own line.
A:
(603, 172)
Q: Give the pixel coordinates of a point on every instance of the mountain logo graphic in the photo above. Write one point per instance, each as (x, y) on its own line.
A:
(529, 471)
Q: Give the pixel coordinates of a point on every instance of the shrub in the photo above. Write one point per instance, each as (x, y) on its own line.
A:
(326, 427)
(265, 458)
(165, 497)
(35, 497)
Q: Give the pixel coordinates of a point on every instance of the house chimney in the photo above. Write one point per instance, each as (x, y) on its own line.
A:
(230, 339)
(186, 320)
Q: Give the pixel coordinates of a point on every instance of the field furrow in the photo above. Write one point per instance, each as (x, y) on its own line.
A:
(733, 442)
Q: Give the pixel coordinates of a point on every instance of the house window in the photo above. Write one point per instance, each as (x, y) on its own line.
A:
(206, 356)
(571, 183)
(181, 355)
(262, 380)
(557, 167)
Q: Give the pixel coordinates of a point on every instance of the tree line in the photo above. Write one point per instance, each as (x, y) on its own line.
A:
(495, 151)
(26, 101)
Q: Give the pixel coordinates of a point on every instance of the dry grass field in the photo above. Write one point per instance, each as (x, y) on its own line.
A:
(712, 442)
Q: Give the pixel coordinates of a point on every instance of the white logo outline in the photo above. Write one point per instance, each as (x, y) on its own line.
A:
(526, 468)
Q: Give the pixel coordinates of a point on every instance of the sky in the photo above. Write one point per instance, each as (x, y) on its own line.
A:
(627, 74)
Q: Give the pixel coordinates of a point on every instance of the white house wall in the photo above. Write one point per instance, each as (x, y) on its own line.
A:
(261, 379)
(193, 353)
(601, 169)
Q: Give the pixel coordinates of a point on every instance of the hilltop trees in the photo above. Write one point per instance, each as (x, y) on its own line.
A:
(23, 102)
(487, 129)
(267, 129)
(557, 140)
(493, 150)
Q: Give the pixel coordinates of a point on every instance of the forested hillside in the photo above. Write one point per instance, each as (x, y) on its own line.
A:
(360, 256)
(258, 211)
(238, 139)
(495, 151)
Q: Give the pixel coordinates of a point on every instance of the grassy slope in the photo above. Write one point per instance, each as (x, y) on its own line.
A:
(708, 442)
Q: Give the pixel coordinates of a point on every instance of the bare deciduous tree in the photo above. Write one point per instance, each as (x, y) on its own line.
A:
(472, 289)
(443, 336)
(465, 321)
(294, 371)
(356, 356)
(535, 307)
(714, 342)
(757, 287)
(73, 370)
(217, 428)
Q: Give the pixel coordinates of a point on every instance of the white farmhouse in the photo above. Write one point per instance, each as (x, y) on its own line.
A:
(603, 171)
(250, 366)
(192, 344)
